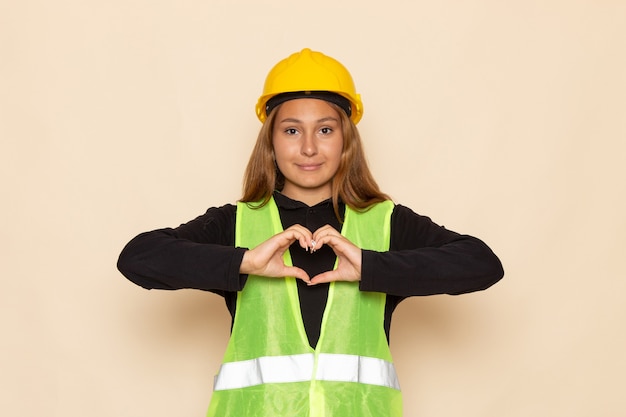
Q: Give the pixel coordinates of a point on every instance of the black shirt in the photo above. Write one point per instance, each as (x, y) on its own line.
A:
(423, 259)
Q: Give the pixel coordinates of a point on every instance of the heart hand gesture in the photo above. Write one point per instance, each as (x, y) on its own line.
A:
(267, 258)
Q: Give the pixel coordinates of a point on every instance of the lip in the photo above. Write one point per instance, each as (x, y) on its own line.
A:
(309, 167)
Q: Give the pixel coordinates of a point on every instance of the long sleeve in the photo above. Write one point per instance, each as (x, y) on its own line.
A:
(427, 259)
(423, 259)
(199, 254)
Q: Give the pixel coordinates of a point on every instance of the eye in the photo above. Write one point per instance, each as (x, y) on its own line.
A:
(291, 131)
(326, 131)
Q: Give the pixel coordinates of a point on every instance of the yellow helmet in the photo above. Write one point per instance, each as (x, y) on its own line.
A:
(310, 74)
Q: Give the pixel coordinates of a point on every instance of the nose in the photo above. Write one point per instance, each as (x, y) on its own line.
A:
(309, 145)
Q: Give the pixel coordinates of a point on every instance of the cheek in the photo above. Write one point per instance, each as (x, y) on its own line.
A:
(335, 150)
(282, 153)
(279, 150)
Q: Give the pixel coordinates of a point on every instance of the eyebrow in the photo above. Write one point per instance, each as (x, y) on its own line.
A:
(322, 120)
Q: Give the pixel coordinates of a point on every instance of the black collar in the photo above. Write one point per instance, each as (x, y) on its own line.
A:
(285, 202)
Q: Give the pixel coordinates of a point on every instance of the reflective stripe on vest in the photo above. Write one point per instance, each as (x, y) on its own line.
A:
(298, 368)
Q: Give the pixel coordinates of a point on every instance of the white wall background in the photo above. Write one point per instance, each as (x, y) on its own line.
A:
(506, 120)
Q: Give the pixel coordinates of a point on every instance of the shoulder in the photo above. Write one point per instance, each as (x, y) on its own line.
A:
(402, 214)
(214, 215)
(216, 225)
(225, 212)
(410, 229)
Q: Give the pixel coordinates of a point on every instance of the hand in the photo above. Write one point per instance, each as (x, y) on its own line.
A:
(267, 258)
(348, 256)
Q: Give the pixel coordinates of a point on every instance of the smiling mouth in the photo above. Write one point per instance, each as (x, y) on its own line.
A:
(308, 167)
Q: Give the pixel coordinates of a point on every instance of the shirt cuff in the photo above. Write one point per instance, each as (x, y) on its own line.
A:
(369, 272)
(236, 280)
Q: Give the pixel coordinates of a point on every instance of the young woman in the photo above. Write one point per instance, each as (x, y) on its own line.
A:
(312, 261)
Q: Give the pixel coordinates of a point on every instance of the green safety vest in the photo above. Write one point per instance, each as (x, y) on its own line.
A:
(269, 368)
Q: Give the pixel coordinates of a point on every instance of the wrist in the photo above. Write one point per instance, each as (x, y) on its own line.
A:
(244, 267)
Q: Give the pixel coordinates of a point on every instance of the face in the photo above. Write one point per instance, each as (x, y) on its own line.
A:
(308, 140)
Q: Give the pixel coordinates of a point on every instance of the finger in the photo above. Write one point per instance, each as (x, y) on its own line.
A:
(287, 237)
(297, 273)
(301, 234)
(324, 277)
(322, 236)
(334, 241)
(324, 230)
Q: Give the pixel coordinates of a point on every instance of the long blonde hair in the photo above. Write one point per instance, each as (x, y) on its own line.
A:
(353, 182)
